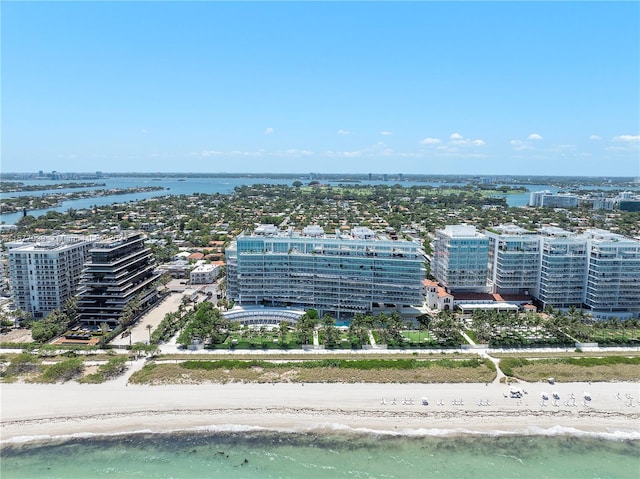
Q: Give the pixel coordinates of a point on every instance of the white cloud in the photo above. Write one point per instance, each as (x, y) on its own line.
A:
(534, 136)
(246, 153)
(459, 140)
(520, 145)
(269, 131)
(430, 141)
(291, 152)
(343, 132)
(562, 147)
(622, 149)
(386, 133)
(210, 153)
(627, 138)
(376, 150)
(595, 137)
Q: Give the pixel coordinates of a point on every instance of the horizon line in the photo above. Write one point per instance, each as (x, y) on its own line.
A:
(308, 174)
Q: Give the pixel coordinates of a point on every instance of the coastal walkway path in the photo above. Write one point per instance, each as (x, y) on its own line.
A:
(484, 353)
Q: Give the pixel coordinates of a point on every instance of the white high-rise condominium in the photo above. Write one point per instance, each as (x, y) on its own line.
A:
(514, 259)
(460, 259)
(596, 270)
(547, 199)
(339, 274)
(563, 266)
(44, 271)
(613, 276)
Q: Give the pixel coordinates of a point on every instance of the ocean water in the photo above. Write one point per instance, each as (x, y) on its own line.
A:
(253, 454)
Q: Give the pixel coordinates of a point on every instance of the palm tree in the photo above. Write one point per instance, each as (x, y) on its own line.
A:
(149, 328)
(424, 321)
(329, 329)
(283, 329)
(395, 325)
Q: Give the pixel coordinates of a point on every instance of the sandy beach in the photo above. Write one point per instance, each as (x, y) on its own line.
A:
(31, 411)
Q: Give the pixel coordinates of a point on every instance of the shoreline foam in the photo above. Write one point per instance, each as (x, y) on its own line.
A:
(46, 412)
(328, 430)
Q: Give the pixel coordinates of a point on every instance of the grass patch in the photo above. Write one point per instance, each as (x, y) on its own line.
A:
(20, 365)
(610, 368)
(62, 371)
(306, 356)
(561, 354)
(8, 345)
(363, 364)
(327, 370)
(472, 335)
(113, 368)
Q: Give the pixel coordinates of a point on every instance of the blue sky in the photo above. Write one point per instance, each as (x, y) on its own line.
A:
(533, 88)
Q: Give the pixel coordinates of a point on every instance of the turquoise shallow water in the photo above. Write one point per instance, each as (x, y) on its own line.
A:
(264, 454)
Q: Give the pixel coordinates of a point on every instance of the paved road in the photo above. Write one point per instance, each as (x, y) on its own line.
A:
(140, 333)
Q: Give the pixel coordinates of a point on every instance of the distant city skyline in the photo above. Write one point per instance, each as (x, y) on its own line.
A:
(485, 88)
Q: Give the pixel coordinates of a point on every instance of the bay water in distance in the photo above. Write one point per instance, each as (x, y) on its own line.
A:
(188, 186)
(248, 453)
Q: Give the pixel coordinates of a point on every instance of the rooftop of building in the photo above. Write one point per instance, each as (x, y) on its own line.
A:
(461, 231)
(315, 231)
(49, 243)
(604, 235)
(509, 229)
(513, 298)
(555, 231)
(463, 296)
(116, 241)
(442, 293)
(488, 306)
(204, 268)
